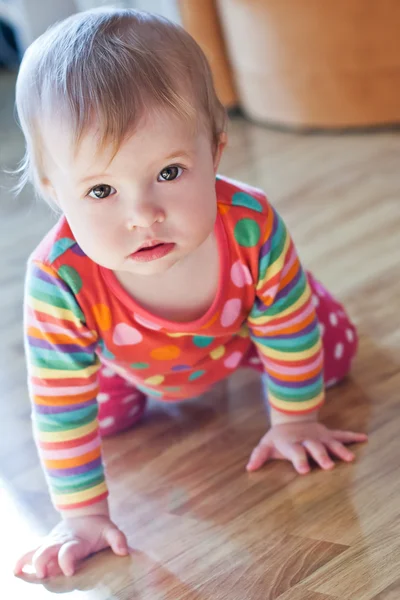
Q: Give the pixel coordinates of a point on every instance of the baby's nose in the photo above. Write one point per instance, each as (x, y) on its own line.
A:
(145, 216)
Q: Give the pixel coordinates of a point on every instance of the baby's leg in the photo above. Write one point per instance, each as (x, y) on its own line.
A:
(339, 335)
(121, 405)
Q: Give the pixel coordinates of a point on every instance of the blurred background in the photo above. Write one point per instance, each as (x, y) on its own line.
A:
(313, 91)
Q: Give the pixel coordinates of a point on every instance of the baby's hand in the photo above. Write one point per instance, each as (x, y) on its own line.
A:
(70, 541)
(295, 441)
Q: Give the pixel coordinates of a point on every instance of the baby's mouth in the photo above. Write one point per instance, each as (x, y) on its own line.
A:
(152, 250)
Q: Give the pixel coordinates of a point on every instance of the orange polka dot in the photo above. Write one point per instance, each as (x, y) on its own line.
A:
(223, 208)
(102, 314)
(166, 353)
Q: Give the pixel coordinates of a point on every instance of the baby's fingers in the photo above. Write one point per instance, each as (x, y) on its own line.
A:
(117, 541)
(22, 562)
(260, 455)
(337, 449)
(318, 452)
(70, 553)
(349, 437)
(43, 558)
(296, 454)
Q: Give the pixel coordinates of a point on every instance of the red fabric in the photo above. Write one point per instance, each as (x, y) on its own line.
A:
(121, 406)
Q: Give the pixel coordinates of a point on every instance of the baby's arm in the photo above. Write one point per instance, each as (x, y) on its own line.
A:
(284, 327)
(62, 369)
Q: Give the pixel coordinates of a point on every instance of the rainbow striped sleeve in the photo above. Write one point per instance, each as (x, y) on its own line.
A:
(284, 326)
(62, 368)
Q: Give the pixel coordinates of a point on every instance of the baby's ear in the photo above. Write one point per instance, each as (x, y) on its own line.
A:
(222, 141)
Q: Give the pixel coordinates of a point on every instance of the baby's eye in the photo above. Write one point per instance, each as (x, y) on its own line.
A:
(170, 173)
(102, 191)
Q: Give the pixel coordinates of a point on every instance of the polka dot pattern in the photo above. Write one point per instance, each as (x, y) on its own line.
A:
(240, 274)
(218, 353)
(243, 199)
(154, 380)
(140, 365)
(140, 349)
(254, 360)
(181, 368)
(166, 353)
(107, 422)
(131, 398)
(223, 209)
(231, 312)
(196, 375)
(134, 411)
(146, 323)
(103, 397)
(125, 335)
(60, 246)
(315, 300)
(247, 233)
(102, 316)
(71, 277)
(202, 341)
(232, 361)
(339, 350)
(333, 319)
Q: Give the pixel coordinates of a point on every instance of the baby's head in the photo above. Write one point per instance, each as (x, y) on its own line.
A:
(124, 132)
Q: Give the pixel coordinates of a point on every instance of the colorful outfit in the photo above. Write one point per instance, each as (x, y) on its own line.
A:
(94, 354)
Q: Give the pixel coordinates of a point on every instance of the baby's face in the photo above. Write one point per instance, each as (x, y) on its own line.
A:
(158, 190)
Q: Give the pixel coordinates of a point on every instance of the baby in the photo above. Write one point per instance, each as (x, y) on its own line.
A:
(160, 278)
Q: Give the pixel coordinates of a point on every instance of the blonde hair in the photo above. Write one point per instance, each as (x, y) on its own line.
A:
(110, 66)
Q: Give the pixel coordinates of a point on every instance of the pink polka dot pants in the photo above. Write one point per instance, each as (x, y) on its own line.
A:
(339, 336)
(338, 333)
(120, 404)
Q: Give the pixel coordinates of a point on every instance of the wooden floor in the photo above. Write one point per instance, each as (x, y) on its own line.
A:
(199, 526)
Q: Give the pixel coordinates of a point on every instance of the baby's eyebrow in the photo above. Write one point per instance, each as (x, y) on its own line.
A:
(89, 177)
(178, 153)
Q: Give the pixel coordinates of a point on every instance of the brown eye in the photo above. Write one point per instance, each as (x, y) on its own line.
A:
(102, 191)
(170, 173)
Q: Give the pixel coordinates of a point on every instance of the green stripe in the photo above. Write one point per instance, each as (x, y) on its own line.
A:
(292, 344)
(71, 480)
(54, 295)
(263, 266)
(279, 240)
(277, 245)
(58, 360)
(297, 394)
(67, 487)
(65, 421)
(54, 301)
(288, 301)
